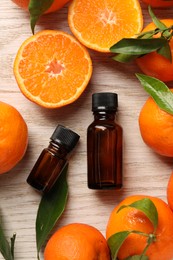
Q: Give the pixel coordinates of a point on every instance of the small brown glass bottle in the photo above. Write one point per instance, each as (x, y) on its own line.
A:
(53, 159)
(104, 144)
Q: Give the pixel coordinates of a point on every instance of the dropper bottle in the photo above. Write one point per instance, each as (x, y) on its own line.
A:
(53, 159)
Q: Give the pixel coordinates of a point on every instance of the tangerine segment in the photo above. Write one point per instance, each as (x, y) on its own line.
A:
(52, 69)
(99, 24)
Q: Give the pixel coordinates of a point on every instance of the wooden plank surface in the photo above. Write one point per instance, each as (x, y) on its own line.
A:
(144, 171)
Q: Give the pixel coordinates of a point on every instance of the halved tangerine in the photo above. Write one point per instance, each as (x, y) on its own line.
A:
(99, 24)
(52, 69)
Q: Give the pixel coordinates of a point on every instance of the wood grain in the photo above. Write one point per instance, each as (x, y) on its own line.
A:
(144, 171)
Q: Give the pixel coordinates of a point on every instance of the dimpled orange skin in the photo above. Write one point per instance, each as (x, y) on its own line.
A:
(156, 128)
(154, 64)
(170, 192)
(56, 5)
(158, 3)
(13, 137)
(132, 219)
(77, 241)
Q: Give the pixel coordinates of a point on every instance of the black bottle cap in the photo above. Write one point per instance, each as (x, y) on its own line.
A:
(65, 137)
(104, 101)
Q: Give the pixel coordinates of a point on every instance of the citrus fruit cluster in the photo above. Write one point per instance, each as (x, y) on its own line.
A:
(60, 76)
(86, 242)
(52, 69)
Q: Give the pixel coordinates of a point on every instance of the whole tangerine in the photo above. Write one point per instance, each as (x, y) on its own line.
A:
(132, 219)
(77, 241)
(154, 64)
(13, 137)
(56, 5)
(156, 128)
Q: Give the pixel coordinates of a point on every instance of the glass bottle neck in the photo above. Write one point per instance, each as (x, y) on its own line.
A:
(57, 150)
(104, 115)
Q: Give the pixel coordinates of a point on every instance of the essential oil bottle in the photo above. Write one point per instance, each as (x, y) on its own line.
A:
(104, 144)
(53, 159)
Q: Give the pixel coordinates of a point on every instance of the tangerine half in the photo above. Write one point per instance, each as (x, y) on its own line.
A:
(52, 69)
(99, 24)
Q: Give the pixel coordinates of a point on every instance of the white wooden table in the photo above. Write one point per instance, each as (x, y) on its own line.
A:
(144, 171)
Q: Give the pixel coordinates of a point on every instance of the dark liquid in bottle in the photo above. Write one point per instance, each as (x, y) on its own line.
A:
(104, 152)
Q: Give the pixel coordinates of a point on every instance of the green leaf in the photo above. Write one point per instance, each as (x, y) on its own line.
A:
(156, 21)
(131, 46)
(158, 91)
(138, 257)
(13, 238)
(5, 249)
(148, 34)
(165, 51)
(50, 209)
(147, 207)
(124, 58)
(128, 49)
(115, 242)
(117, 239)
(36, 9)
(159, 24)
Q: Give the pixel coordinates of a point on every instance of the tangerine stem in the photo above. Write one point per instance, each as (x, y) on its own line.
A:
(141, 233)
(151, 239)
(156, 31)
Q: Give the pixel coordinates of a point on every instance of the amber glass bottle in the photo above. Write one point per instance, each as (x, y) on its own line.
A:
(53, 159)
(104, 144)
